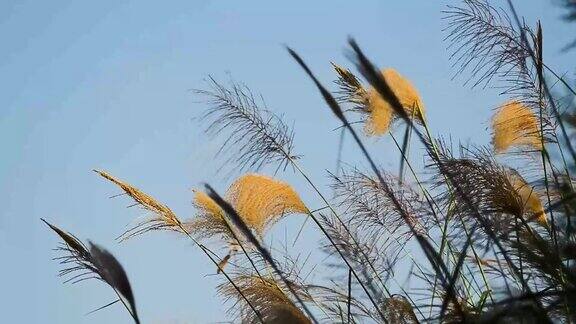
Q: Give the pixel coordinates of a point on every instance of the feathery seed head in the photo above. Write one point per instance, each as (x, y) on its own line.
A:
(261, 200)
(350, 88)
(405, 92)
(210, 220)
(267, 297)
(377, 113)
(254, 136)
(530, 198)
(204, 203)
(163, 217)
(380, 114)
(498, 193)
(515, 125)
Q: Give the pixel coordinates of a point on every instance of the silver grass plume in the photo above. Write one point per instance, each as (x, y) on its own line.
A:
(484, 41)
(254, 136)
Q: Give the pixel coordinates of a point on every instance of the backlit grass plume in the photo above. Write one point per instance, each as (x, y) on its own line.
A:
(515, 125)
(162, 217)
(209, 220)
(350, 89)
(267, 297)
(483, 40)
(261, 200)
(530, 198)
(378, 114)
(369, 206)
(406, 93)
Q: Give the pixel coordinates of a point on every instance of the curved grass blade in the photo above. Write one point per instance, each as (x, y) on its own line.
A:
(95, 263)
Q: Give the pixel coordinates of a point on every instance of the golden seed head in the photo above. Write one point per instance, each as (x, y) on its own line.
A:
(209, 221)
(207, 205)
(381, 113)
(261, 200)
(530, 199)
(161, 211)
(405, 92)
(515, 125)
(267, 297)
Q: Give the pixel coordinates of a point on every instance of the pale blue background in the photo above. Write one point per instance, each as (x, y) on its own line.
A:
(105, 84)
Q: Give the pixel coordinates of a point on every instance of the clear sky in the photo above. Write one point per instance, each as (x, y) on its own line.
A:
(106, 84)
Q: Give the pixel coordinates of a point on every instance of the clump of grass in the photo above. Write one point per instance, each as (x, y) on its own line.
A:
(466, 239)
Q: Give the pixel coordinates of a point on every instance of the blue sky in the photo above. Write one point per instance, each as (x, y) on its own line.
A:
(106, 84)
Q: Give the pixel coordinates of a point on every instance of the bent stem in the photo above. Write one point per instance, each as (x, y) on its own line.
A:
(130, 311)
(205, 250)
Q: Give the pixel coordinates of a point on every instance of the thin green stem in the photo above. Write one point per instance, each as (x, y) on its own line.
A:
(478, 261)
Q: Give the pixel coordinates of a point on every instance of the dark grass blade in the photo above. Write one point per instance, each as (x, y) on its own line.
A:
(325, 93)
(404, 152)
(96, 263)
(113, 273)
(69, 239)
(348, 300)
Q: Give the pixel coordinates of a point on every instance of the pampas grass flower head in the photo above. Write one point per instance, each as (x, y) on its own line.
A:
(267, 297)
(261, 200)
(380, 114)
(530, 199)
(406, 93)
(515, 125)
(163, 218)
(209, 221)
(207, 205)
